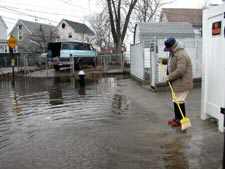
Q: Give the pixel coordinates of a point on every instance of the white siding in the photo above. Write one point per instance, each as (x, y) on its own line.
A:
(65, 32)
(3, 37)
(137, 60)
(68, 30)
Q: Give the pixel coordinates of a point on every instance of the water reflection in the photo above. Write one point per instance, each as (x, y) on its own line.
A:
(49, 122)
(120, 103)
(15, 103)
(82, 90)
(174, 154)
(55, 92)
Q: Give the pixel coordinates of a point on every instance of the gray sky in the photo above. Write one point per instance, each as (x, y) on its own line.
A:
(52, 11)
(46, 11)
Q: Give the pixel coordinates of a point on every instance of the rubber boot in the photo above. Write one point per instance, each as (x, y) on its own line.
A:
(176, 115)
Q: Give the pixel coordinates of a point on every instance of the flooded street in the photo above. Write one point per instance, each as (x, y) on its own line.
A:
(111, 123)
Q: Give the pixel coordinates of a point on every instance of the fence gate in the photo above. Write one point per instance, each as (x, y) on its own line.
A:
(137, 60)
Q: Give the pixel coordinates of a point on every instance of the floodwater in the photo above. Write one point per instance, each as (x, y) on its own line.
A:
(58, 124)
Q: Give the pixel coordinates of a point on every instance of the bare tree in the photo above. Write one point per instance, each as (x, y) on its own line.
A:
(146, 11)
(41, 38)
(101, 25)
(118, 10)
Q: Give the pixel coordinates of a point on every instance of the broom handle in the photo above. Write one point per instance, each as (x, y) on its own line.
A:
(175, 98)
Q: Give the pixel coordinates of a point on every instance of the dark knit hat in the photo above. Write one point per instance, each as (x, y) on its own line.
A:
(169, 43)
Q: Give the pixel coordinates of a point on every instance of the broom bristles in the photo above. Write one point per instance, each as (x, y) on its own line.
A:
(185, 123)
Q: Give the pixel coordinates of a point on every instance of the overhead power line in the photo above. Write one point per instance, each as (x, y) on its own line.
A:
(16, 11)
(40, 11)
(68, 2)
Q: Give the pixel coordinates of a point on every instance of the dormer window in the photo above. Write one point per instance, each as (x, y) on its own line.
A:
(63, 25)
(20, 32)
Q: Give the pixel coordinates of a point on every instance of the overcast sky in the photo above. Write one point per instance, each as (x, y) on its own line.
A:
(52, 11)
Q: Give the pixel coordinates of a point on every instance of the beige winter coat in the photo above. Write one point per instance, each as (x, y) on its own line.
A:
(180, 70)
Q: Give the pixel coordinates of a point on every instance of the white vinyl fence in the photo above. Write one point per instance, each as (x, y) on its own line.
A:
(137, 60)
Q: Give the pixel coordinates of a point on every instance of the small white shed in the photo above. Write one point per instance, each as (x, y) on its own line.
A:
(213, 69)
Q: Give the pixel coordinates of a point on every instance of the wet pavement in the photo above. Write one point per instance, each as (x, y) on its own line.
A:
(111, 123)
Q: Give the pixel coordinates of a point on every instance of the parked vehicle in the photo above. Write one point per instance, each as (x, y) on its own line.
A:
(63, 54)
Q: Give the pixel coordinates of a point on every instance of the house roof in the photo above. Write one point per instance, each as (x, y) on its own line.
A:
(193, 16)
(165, 28)
(1, 19)
(148, 31)
(35, 26)
(80, 27)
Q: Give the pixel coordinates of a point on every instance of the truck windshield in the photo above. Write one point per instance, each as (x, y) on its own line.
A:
(76, 46)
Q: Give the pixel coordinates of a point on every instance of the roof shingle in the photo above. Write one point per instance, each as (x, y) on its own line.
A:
(80, 27)
(192, 16)
(1, 19)
(165, 28)
(36, 27)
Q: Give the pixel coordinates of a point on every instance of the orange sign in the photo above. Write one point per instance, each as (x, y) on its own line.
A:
(12, 42)
(216, 28)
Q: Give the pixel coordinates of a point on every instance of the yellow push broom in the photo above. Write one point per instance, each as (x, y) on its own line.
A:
(185, 121)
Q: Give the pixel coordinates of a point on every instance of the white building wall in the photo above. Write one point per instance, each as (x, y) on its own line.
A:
(213, 79)
(137, 60)
(3, 37)
(68, 30)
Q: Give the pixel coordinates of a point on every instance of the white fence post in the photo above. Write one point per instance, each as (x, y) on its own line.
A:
(137, 60)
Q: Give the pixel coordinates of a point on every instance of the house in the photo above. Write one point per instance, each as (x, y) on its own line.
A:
(33, 37)
(74, 31)
(3, 36)
(192, 16)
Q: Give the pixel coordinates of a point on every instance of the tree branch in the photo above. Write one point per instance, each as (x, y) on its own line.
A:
(111, 20)
(132, 5)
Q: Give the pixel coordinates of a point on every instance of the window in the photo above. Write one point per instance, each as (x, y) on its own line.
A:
(6, 49)
(20, 27)
(20, 32)
(70, 35)
(67, 46)
(63, 25)
(76, 46)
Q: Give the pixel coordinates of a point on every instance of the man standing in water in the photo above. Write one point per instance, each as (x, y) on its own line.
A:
(179, 71)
